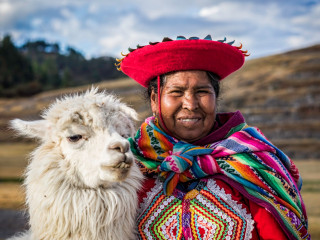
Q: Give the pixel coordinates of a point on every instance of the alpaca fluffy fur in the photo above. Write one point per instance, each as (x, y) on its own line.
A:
(71, 190)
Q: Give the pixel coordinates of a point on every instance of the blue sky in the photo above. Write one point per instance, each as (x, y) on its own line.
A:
(107, 27)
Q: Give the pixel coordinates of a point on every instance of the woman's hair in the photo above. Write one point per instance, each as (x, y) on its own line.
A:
(153, 85)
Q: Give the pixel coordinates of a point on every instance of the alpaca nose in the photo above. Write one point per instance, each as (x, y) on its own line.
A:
(120, 146)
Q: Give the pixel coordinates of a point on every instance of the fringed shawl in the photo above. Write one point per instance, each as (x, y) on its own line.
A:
(244, 157)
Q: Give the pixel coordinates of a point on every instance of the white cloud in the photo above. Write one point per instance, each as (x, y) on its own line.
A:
(158, 9)
(267, 27)
(306, 28)
(108, 27)
(209, 12)
(6, 12)
(5, 7)
(66, 13)
(310, 18)
(239, 11)
(295, 41)
(36, 22)
(125, 34)
(93, 8)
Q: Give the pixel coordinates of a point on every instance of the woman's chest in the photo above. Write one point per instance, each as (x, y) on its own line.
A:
(208, 211)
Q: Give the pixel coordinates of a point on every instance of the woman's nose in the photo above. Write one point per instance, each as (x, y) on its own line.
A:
(190, 102)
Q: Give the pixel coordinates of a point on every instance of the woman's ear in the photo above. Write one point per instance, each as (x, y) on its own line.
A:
(154, 102)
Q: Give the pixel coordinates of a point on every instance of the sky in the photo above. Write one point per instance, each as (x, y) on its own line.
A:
(108, 27)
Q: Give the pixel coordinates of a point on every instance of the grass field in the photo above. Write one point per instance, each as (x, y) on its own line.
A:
(311, 193)
(13, 159)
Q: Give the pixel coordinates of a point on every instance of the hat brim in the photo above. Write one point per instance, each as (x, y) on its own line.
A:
(148, 62)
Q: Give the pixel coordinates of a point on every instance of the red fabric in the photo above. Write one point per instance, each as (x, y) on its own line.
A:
(265, 224)
(148, 62)
(147, 184)
(266, 227)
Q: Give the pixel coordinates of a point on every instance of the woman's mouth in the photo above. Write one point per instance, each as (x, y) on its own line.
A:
(188, 121)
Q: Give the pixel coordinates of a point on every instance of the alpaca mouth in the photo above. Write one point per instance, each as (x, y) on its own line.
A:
(119, 166)
(122, 165)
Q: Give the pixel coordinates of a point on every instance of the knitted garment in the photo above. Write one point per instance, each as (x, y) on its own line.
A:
(255, 167)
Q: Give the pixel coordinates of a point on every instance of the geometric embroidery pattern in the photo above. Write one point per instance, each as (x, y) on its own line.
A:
(161, 220)
(210, 214)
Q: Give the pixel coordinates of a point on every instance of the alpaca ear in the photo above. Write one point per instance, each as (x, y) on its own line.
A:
(131, 112)
(31, 129)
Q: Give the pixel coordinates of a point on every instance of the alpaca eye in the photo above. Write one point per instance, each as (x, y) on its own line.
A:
(74, 138)
(125, 135)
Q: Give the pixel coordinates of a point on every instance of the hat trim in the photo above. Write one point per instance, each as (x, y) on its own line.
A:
(166, 39)
(147, 62)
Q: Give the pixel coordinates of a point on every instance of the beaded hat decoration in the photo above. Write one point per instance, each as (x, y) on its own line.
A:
(147, 62)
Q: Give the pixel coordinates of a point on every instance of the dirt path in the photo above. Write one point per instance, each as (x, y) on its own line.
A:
(11, 222)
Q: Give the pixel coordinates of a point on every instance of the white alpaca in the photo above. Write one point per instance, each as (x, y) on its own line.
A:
(82, 182)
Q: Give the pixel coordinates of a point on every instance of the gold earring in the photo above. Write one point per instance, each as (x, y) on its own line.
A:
(155, 118)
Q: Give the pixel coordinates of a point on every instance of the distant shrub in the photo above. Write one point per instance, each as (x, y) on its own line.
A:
(37, 66)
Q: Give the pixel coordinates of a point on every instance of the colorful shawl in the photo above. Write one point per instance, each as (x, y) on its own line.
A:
(259, 170)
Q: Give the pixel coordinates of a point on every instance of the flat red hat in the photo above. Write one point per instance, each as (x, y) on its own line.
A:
(147, 62)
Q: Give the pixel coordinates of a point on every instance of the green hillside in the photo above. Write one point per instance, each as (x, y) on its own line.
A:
(40, 66)
(280, 94)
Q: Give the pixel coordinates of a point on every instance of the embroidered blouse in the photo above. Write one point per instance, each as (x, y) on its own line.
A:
(208, 208)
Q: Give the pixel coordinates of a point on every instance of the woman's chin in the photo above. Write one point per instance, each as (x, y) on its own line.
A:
(190, 135)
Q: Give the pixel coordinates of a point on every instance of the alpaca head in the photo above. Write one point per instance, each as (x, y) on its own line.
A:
(89, 132)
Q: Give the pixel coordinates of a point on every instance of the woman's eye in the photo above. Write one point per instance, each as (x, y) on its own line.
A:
(74, 138)
(202, 91)
(176, 92)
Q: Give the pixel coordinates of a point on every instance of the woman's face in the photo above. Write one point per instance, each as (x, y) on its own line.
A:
(188, 105)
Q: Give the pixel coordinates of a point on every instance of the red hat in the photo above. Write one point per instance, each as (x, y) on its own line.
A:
(147, 62)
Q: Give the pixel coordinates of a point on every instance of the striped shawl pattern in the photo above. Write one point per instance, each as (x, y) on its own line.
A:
(244, 158)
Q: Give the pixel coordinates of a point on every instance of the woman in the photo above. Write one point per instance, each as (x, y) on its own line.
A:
(208, 175)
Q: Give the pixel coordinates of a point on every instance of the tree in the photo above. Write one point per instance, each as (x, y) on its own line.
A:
(15, 69)
(39, 65)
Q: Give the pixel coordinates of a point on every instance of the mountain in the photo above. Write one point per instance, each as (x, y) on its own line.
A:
(280, 94)
(39, 66)
(30, 108)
